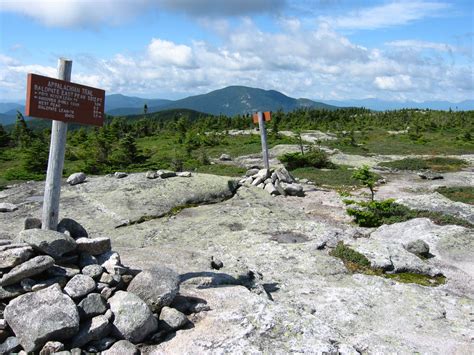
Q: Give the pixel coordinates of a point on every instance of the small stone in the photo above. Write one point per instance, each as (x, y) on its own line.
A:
(151, 174)
(15, 256)
(120, 175)
(106, 278)
(106, 292)
(76, 178)
(271, 189)
(225, 157)
(283, 175)
(185, 174)
(164, 174)
(79, 286)
(32, 223)
(3, 324)
(126, 279)
(216, 263)
(293, 189)
(61, 280)
(93, 329)
(418, 247)
(8, 207)
(251, 172)
(94, 271)
(258, 180)
(91, 306)
(51, 347)
(430, 176)
(94, 246)
(173, 318)
(133, 319)
(74, 228)
(10, 345)
(47, 241)
(264, 174)
(274, 177)
(122, 347)
(109, 260)
(29, 268)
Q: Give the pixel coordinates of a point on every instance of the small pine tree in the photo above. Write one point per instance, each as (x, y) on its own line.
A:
(367, 178)
(21, 134)
(4, 137)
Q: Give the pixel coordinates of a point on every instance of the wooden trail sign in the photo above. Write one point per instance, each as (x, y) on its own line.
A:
(261, 118)
(267, 115)
(61, 100)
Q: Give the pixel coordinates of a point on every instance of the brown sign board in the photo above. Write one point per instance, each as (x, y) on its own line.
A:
(61, 100)
(267, 116)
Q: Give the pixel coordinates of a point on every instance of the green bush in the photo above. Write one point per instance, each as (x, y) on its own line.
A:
(347, 254)
(315, 159)
(440, 164)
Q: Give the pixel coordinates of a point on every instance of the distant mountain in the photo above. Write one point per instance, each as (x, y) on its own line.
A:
(234, 100)
(381, 105)
(5, 107)
(118, 104)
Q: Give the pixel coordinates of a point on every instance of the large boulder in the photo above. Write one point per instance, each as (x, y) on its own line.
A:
(49, 242)
(133, 319)
(157, 286)
(74, 228)
(40, 316)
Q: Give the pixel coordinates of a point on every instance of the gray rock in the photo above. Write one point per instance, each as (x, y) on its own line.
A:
(79, 286)
(74, 228)
(293, 189)
(94, 246)
(106, 278)
(7, 207)
(51, 347)
(122, 347)
(76, 178)
(64, 271)
(151, 175)
(101, 345)
(430, 176)
(271, 189)
(40, 316)
(258, 180)
(120, 174)
(251, 172)
(106, 292)
(185, 174)
(93, 329)
(3, 324)
(94, 271)
(29, 268)
(418, 247)
(173, 318)
(280, 188)
(11, 291)
(284, 176)
(91, 306)
(61, 280)
(109, 260)
(133, 319)
(32, 223)
(49, 242)
(164, 174)
(264, 174)
(157, 286)
(225, 157)
(261, 185)
(15, 256)
(87, 259)
(10, 345)
(4, 242)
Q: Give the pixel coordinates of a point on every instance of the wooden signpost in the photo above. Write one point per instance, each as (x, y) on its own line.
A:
(261, 117)
(63, 102)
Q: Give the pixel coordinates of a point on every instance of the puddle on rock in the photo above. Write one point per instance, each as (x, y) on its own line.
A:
(289, 237)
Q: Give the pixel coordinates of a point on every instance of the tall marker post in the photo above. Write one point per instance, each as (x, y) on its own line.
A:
(261, 117)
(57, 149)
(63, 102)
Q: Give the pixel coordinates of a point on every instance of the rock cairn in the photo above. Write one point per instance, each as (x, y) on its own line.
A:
(275, 182)
(62, 291)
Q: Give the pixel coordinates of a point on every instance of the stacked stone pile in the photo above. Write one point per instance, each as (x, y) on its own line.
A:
(62, 290)
(275, 182)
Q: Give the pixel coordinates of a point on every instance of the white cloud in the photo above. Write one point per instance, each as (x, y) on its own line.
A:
(387, 15)
(394, 83)
(163, 52)
(89, 13)
(419, 45)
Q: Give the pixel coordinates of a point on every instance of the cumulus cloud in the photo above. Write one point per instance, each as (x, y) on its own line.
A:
(164, 53)
(391, 14)
(394, 83)
(88, 13)
(418, 45)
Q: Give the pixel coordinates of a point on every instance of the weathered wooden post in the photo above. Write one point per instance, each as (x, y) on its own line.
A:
(261, 117)
(57, 149)
(63, 102)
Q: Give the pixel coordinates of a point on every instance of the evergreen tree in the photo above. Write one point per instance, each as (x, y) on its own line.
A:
(4, 137)
(21, 135)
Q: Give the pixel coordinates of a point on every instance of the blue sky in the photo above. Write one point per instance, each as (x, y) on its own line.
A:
(320, 49)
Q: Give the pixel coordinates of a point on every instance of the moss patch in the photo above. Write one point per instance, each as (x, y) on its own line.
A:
(356, 262)
(464, 194)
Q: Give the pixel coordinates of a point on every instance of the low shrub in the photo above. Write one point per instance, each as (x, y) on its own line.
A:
(439, 164)
(347, 254)
(315, 159)
(463, 194)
